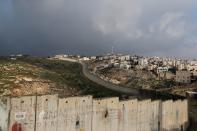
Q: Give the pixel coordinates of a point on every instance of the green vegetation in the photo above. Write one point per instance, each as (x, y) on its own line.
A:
(69, 74)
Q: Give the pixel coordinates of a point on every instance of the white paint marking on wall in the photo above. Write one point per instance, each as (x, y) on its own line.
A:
(41, 115)
(20, 116)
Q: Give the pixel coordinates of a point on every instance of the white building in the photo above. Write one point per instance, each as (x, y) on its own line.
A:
(59, 56)
(194, 62)
(86, 58)
(182, 66)
(143, 62)
(191, 67)
(125, 57)
(125, 66)
(162, 69)
(93, 58)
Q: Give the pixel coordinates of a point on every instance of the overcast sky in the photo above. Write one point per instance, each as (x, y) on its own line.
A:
(143, 27)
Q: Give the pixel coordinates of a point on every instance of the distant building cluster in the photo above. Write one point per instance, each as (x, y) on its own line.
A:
(182, 71)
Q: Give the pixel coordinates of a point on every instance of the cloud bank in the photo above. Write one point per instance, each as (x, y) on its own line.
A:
(44, 27)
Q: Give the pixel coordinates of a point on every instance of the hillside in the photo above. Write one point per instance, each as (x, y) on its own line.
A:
(32, 75)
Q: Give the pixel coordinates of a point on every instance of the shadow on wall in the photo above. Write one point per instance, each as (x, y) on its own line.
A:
(193, 124)
(183, 127)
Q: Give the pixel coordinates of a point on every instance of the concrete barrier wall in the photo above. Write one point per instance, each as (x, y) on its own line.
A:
(185, 117)
(124, 110)
(143, 115)
(4, 113)
(174, 115)
(166, 118)
(50, 113)
(155, 113)
(22, 114)
(66, 114)
(72, 114)
(46, 113)
(105, 114)
(83, 113)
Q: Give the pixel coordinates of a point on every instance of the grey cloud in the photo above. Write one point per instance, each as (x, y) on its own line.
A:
(44, 27)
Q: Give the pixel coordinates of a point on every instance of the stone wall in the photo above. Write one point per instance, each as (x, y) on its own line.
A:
(50, 113)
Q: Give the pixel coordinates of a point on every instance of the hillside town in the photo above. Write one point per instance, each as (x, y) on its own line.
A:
(182, 71)
(134, 71)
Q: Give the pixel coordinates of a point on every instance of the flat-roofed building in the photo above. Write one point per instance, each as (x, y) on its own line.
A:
(162, 69)
(183, 76)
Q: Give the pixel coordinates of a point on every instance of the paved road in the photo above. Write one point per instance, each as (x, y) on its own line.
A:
(106, 84)
(103, 83)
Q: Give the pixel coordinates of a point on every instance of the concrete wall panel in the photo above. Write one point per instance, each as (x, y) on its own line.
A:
(128, 117)
(105, 114)
(46, 113)
(66, 114)
(23, 113)
(184, 114)
(123, 123)
(147, 115)
(84, 113)
(75, 114)
(133, 113)
(99, 114)
(113, 114)
(4, 113)
(176, 114)
(140, 116)
(143, 116)
(155, 115)
(166, 119)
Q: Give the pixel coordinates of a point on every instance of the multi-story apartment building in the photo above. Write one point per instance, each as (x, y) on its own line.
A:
(183, 77)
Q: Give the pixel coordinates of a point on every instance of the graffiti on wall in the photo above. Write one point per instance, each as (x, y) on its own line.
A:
(74, 114)
(17, 127)
(20, 116)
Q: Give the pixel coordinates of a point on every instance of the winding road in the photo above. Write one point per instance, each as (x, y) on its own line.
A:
(99, 81)
(106, 84)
